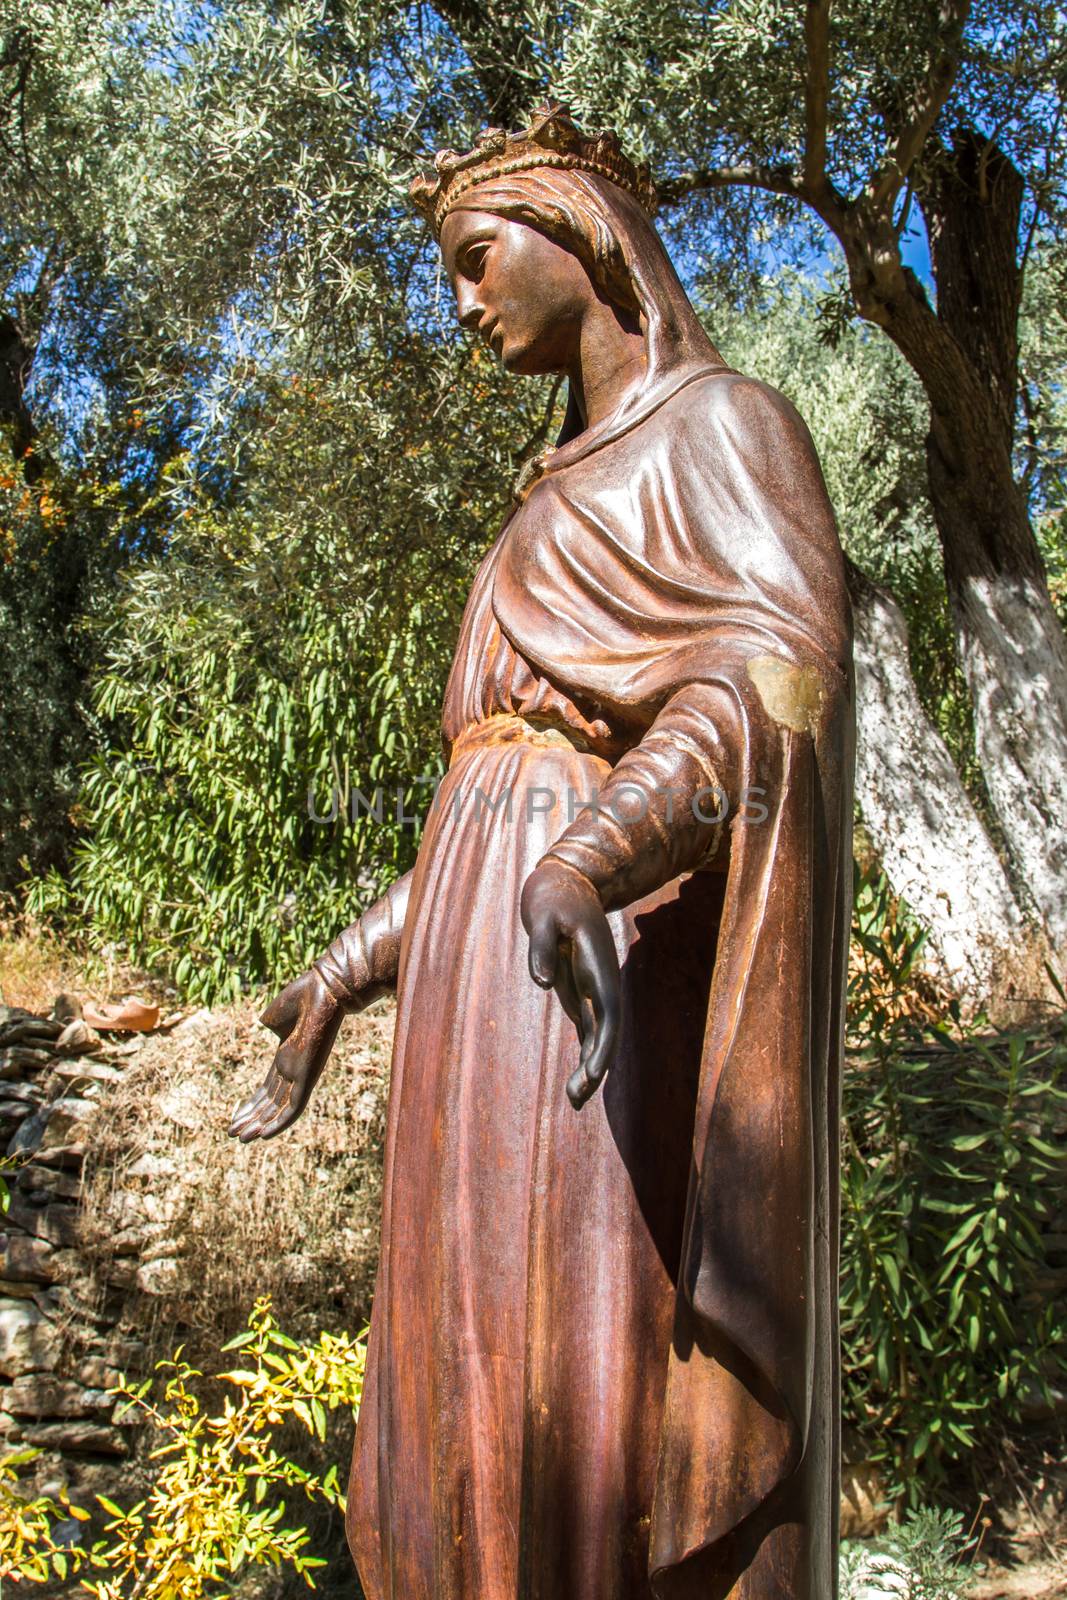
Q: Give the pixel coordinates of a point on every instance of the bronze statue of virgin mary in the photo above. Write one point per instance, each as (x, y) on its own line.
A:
(603, 1354)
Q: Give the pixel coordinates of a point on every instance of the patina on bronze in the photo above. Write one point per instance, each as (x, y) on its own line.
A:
(603, 1356)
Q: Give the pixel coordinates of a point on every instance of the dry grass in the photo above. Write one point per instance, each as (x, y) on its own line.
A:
(210, 1223)
(34, 965)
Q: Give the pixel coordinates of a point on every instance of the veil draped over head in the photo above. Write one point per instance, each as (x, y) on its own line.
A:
(610, 233)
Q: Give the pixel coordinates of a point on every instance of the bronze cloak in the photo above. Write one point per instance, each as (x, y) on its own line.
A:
(666, 611)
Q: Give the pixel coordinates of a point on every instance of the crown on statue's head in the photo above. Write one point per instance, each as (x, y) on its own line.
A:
(553, 139)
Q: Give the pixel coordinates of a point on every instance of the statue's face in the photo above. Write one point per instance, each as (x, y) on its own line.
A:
(525, 295)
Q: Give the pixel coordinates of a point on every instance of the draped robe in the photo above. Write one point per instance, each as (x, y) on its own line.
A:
(603, 1353)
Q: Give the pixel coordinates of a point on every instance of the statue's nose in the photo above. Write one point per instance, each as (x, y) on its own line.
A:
(470, 311)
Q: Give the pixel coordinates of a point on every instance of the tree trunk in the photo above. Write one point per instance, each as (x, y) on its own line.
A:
(1011, 646)
(16, 361)
(499, 47)
(1013, 654)
(932, 845)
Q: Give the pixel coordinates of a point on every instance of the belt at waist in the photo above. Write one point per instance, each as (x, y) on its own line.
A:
(509, 729)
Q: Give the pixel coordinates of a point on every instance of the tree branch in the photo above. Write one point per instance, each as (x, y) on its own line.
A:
(884, 184)
(777, 180)
(816, 93)
(829, 205)
(500, 52)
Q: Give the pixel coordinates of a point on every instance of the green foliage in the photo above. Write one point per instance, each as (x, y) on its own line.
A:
(1041, 455)
(948, 1172)
(921, 1559)
(286, 655)
(215, 1506)
(45, 738)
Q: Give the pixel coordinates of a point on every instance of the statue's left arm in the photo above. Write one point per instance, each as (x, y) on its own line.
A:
(749, 521)
(659, 814)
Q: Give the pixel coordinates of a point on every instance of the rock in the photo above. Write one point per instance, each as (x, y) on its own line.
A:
(880, 1577)
(13, 1114)
(68, 1533)
(42, 1396)
(28, 1341)
(196, 1022)
(128, 1242)
(92, 1437)
(47, 1300)
(67, 1123)
(59, 1225)
(48, 1183)
(28, 1260)
(78, 1039)
(66, 1155)
(864, 1507)
(75, 1075)
(129, 1354)
(130, 1047)
(82, 1299)
(16, 1062)
(28, 1138)
(122, 1271)
(97, 1373)
(183, 1103)
(166, 1275)
(10, 1290)
(66, 1007)
(28, 1093)
(151, 1165)
(20, 1214)
(368, 1106)
(1039, 1405)
(37, 1032)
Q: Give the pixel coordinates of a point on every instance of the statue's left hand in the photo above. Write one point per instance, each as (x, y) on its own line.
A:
(305, 1017)
(573, 952)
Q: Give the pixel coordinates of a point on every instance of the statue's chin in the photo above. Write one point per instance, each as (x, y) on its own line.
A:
(524, 360)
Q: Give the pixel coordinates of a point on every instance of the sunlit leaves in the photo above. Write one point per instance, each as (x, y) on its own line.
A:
(949, 1172)
(215, 1505)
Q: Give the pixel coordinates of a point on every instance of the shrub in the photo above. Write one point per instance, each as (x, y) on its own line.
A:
(947, 1177)
(216, 1503)
(922, 1559)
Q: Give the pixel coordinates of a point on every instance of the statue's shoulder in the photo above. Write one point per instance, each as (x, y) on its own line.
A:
(754, 414)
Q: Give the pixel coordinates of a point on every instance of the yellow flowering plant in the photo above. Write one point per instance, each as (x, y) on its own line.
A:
(213, 1507)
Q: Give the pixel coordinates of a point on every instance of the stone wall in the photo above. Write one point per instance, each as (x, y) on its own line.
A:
(64, 1340)
(135, 1225)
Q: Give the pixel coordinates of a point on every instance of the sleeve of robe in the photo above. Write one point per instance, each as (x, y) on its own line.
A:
(364, 959)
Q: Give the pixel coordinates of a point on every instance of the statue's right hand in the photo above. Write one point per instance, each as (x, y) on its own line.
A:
(305, 1017)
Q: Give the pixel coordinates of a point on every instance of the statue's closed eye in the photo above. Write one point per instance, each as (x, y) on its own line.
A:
(473, 263)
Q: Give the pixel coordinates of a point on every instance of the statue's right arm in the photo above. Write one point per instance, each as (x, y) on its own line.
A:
(361, 964)
(364, 960)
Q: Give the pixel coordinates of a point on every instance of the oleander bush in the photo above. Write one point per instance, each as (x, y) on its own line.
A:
(953, 1161)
